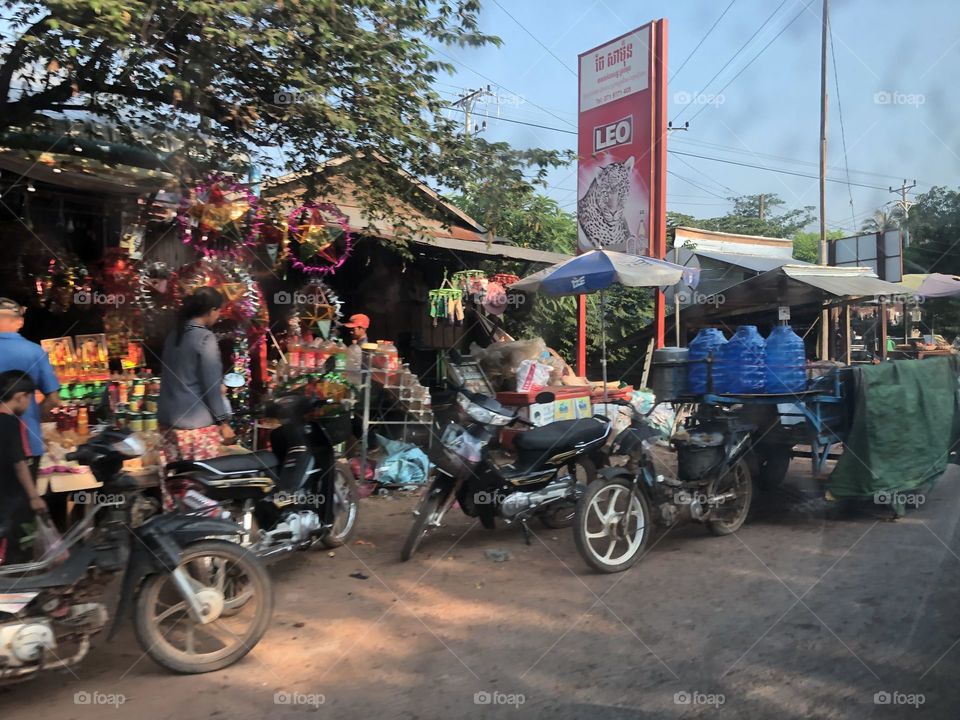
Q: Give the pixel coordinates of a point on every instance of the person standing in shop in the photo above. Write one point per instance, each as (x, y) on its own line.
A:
(18, 353)
(192, 411)
(358, 325)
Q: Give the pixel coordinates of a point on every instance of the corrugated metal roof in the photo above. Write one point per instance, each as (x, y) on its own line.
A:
(499, 250)
(756, 263)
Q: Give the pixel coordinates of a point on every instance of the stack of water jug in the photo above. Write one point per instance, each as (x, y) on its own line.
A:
(747, 364)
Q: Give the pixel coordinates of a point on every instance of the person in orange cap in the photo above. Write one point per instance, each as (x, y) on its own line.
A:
(358, 324)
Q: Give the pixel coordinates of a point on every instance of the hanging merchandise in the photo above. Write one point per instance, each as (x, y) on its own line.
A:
(472, 283)
(219, 217)
(318, 308)
(505, 279)
(495, 300)
(318, 238)
(446, 302)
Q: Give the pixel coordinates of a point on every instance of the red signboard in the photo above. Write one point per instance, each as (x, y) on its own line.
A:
(621, 185)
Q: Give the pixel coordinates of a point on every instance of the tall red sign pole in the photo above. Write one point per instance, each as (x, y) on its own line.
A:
(622, 154)
(658, 183)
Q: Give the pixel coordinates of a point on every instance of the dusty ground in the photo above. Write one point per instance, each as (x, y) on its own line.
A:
(800, 615)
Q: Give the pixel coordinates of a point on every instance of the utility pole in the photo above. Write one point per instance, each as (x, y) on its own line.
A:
(466, 103)
(903, 203)
(762, 196)
(824, 256)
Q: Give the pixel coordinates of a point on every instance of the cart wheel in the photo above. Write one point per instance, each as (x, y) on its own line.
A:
(774, 463)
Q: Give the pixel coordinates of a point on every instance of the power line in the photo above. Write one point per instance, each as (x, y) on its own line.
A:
(535, 39)
(843, 135)
(702, 40)
(720, 91)
(734, 57)
(695, 184)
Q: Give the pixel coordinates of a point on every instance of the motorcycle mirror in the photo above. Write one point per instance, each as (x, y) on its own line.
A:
(455, 357)
(234, 380)
(545, 397)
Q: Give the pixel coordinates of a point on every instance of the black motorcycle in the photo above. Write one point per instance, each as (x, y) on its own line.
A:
(199, 603)
(716, 464)
(552, 465)
(296, 496)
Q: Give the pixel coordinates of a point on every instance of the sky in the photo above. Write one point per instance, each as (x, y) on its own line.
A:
(895, 65)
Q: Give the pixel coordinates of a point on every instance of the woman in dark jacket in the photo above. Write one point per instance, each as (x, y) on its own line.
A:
(193, 413)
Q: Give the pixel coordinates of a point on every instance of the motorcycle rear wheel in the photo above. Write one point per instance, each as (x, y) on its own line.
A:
(205, 561)
(420, 529)
(346, 507)
(738, 480)
(612, 514)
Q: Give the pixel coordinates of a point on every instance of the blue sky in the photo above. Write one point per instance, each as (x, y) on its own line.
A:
(896, 63)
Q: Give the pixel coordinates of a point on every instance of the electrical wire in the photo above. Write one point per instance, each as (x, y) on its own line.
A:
(535, 39)
(782, 30)
(734, 57)
(843, 135)
(702, 40)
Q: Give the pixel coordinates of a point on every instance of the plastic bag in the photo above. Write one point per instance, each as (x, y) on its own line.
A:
(48, 544)
(405, 464)
(532, 374)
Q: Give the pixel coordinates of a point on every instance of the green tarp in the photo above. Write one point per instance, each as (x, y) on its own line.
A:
(905, 424)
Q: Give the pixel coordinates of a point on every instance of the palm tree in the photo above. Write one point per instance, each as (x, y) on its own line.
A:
(883, 220)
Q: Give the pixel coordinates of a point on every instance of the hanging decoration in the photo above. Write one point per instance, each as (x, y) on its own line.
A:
(155, 289)
(317, 308)
(243, 298)
(219, 217)
(318, 238)
(446, 302)
(61, 284)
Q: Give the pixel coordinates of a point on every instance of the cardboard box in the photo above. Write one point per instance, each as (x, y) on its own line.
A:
(584, 407)
(565, 409)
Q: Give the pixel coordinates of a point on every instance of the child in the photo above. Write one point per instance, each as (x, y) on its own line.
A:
(17, 490)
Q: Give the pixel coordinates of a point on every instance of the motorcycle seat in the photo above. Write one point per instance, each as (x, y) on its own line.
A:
(259, 462)
(561, 435)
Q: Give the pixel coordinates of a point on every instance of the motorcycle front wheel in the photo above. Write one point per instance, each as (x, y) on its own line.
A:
(174, 640)
(346, 507)
(612, 525)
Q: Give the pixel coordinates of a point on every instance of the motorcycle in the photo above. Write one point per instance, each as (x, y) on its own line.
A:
(542, 481)
(716, 464)
(293, 497)
(181, 579)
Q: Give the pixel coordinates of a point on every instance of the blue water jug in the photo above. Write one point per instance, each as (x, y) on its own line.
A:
(786, 361)
(706, 342)
(742, 360)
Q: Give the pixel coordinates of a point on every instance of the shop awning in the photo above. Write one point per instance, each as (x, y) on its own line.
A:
(757, 263)
(493, 250)
(794, 286)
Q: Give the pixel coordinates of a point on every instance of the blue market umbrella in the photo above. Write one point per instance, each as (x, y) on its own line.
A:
(599, 269)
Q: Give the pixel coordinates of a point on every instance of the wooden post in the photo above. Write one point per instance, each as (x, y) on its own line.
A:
(883, 329)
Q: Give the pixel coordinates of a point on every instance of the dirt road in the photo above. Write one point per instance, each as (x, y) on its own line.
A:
(798, 615)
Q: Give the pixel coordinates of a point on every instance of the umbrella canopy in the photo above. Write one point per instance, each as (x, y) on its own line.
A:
(599, 269)
(934, 285)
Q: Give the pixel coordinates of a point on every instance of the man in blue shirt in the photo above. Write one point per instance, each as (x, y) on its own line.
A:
(18, 353)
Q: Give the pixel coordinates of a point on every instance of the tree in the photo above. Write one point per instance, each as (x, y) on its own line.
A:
(934, 230)
(284, 84)
(882, 221)
(745, 218)
(806, 245)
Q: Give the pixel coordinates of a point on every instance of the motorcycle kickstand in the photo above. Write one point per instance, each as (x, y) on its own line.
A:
(527, 534)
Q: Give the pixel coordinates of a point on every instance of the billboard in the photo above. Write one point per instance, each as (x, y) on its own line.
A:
(881, 252)
(615, 144)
